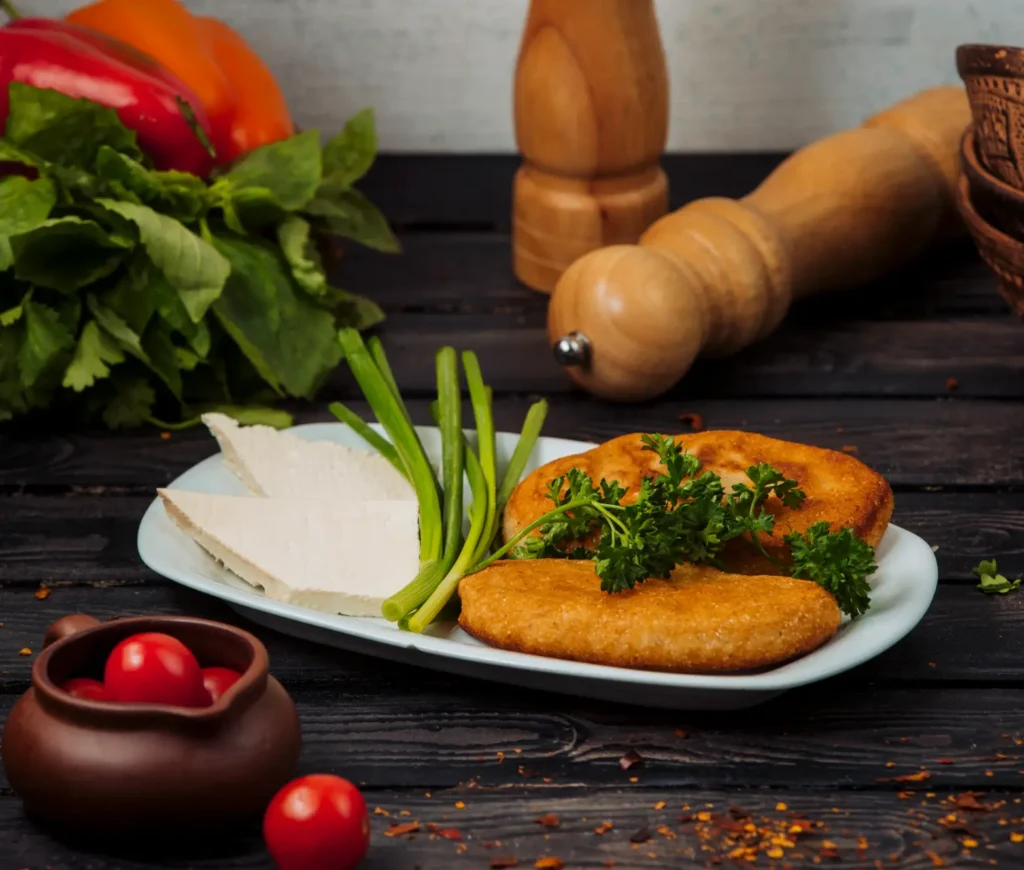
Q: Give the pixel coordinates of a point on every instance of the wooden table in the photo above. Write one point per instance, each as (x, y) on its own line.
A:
(926, 388)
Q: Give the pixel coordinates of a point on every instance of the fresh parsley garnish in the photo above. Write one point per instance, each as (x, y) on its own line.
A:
(838, 561)
(991, 581)
(684, 514)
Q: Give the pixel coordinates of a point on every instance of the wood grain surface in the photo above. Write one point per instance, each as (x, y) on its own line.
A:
(872, 378)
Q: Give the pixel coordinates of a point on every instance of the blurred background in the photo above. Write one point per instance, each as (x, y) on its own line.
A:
(746, 75)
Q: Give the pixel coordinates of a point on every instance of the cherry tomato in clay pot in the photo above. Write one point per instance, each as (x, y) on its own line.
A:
(317, 822)
(154, 668)
(218, 680)
(83, 687)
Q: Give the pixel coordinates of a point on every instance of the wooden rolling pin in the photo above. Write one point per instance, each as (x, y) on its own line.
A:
(719, 274)
(591, 119)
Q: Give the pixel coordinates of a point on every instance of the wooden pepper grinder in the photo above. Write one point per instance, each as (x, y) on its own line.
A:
(591, 118)
(718, 274)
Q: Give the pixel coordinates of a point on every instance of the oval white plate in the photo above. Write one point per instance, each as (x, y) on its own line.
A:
(903, 588)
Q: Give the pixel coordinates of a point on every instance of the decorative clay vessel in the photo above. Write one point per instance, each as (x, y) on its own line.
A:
(115, 771)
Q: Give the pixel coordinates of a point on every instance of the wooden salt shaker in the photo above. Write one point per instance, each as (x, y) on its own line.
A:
(591, 118)
(715, 276)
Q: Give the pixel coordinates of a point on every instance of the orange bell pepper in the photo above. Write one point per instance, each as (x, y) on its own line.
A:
(242, 100)
(261, 114)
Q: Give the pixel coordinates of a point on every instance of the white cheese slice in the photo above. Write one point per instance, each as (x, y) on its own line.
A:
(331, 555)
(278, 464)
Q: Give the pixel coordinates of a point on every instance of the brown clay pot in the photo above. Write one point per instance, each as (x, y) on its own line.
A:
(1003, 255)
(994, 77)
(141, 771)
(996, 202)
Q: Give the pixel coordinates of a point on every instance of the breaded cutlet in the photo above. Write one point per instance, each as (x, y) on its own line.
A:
(699, 621)
(840, 489)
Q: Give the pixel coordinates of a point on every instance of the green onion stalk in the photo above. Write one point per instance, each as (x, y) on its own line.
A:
(445, 555)
(393, 417)
(488, 502)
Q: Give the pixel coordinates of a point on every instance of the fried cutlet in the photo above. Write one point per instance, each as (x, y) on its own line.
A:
(840, 489)
(700, 621)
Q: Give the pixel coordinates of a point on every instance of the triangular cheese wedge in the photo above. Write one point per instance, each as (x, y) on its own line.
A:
(331, 555)
(278, 464)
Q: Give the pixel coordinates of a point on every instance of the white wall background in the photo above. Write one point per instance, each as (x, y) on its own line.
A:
(745, 74)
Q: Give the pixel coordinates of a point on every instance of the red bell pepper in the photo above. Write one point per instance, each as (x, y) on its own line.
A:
(147, 101)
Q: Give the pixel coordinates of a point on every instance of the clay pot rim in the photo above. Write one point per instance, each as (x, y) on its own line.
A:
(985, 59)
(974, 169)
(248, 688)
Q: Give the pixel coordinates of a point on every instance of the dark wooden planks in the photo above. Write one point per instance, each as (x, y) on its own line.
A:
(457, 190)
(855, 358)
(470, 272)
(965, 637)
(831, 736)
(923, 443)
(89, 538)
(896, 833)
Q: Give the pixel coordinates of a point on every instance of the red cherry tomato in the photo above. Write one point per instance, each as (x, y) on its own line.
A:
(218, 680)
(317, 822)
(154, 668)
(83, 687)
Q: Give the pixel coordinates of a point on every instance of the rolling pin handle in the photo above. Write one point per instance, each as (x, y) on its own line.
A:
(572, 349)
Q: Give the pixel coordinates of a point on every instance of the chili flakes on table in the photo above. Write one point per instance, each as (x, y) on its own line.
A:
(401, 829)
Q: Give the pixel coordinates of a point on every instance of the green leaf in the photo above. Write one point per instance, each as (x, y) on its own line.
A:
(349, 155)
(176, 194)
(247, 415)
(11, 315)
(276, 178)
(63, 130)
(12, 401)
(293, 235)
(130, 405)
(153, 347)
(118, 328)
(149, 282)
(992, 582)
(192, 266)
(24, 205)
(162, 356)
(354, 310)
(350, 214)
(67, 253)
(94, 352)
(47, 340)
(296, 352)
(10, 153)
(187, 360)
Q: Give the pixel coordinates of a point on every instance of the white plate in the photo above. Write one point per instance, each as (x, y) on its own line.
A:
(902, 591)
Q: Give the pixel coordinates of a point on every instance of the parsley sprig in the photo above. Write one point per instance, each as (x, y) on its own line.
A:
(991, 582)
(682, 515)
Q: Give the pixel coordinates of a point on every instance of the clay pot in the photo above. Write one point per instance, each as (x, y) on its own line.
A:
(996, 202)
(127, 772)
(994, 76)
(1003, 255)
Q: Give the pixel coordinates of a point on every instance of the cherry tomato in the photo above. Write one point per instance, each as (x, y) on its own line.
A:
(154, 668)
(83, 687)
(317, 822)
(218, 680)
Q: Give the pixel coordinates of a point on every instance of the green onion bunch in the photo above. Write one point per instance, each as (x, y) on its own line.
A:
(446, 553)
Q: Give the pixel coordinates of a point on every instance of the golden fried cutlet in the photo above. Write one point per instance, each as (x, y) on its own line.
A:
(840, 489)
(700, 621)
